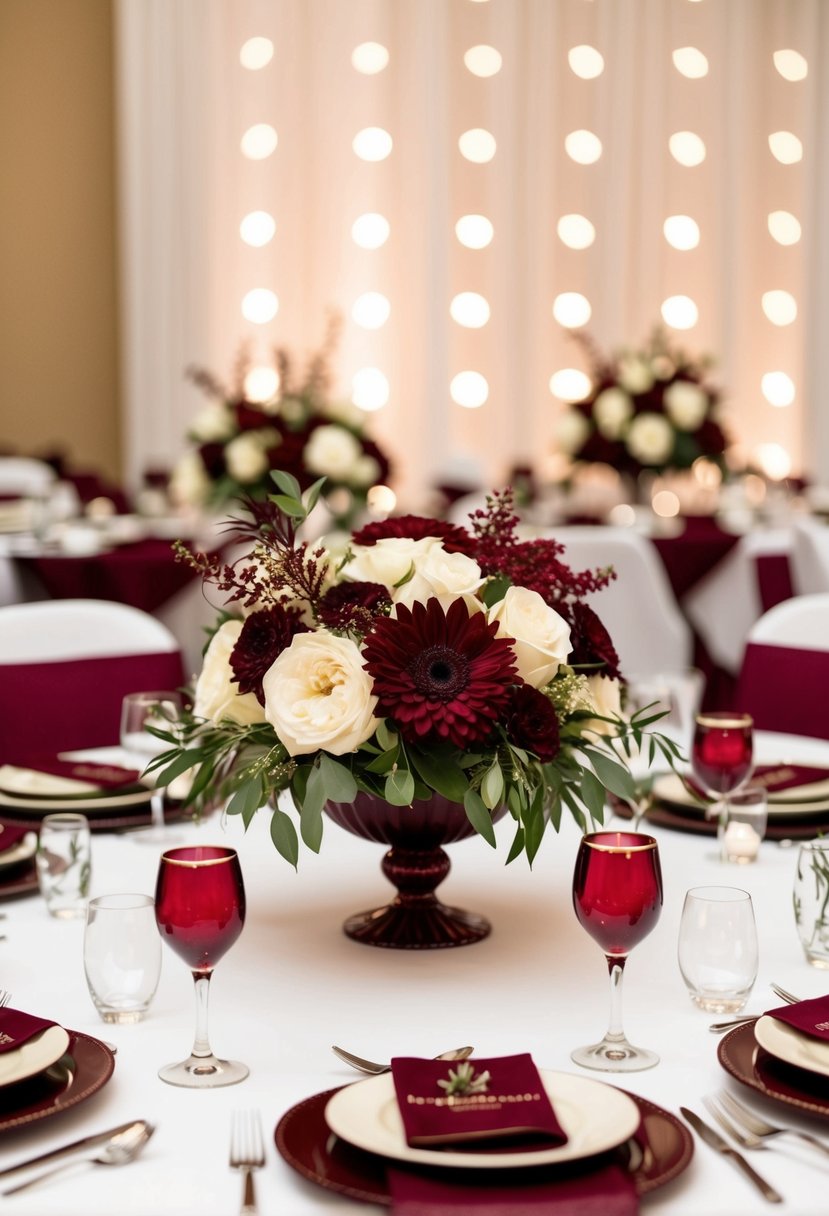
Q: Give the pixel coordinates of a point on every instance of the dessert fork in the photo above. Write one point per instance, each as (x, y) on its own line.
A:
(247, 1153)
(760, 1128)
(375, 1069)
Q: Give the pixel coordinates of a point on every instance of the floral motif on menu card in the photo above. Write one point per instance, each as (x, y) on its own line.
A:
(418, 658)
(647, 409)
(298, 428)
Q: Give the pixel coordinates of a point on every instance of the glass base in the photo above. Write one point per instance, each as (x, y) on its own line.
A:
(121, 1017)
(821, 961)
(614, 1055)
(204, 1072)
(720, 1002)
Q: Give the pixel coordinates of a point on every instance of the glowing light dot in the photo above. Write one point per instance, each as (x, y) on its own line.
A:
(665, 504)
(257, 228)
(681, 231)
(260, 306)
(469, 389)
(259, 141)
(370, 230)
(784, 227)
(261, 384)
(569, 384)
(687, 148)
(369, 58)
(572, 309)
(791, 65)
(774, 460)
(680, 312)
(780, 307)
(469, 309)
(381, 500)
(369, 389)
(483, 60)
(371, 310)
(576, 231)
(778, 389)
(256, 53)
(585, 61)
(474, 231)
(372, 143)
(786, 147)
(690, 62)
(477, 145)
(622, 515)
(583, 147)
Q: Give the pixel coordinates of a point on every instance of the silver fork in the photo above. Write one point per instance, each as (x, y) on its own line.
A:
(763, 1130)
(247, 1153)
(5, 998)
(744, 1138)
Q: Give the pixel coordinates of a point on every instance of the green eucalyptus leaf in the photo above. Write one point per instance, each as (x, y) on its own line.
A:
(612, 775)
(339, 784)
(312, 495)
(287, 483)
(310, 815)
(289, 506)
(182, 762)
(495, 589)
(385, 762)
(592, 794)
(441, 773)
(386, 737)
(283, 835)
(492, 786)
(399, 788)
(479, 816)
(517, 847)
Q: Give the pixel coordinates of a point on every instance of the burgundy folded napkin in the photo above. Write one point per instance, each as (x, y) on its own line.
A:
(16, 1028)
(809, 1017)
(778, 777)
(11, 835)
(103, 776)
(510, 1101)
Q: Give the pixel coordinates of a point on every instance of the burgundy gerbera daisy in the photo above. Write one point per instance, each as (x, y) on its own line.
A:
(590, 641)
(440, 673)
(415, 527)
(353, 605)
(264, 636)
(532, 723)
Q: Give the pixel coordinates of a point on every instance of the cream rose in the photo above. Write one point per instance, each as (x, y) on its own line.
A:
(318, 695)
(365, 471)
(190, 483)
(216, 697)
(445, 575)
(611, 410)
(686, 404)
(540, 637)
(572, 429)
(332, 451)
(605, 699)
(650, 438)
(388, 561)
(213, 424)
(635, 374)
(246, 458)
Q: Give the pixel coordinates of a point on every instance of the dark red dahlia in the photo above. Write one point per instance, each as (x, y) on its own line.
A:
(250, 417)
(532, 723)
(590, 641)
(440, 673)
(264, 636)
(213, 458)
(353, 606)
(415, 527)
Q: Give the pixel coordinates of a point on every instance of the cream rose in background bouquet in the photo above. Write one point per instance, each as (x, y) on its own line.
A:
(427, 658)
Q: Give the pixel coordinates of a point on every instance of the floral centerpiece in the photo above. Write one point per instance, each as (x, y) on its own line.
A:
(299, 429)
(650, 409)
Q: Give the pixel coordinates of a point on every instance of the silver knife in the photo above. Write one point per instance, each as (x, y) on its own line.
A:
(87, 1142)
(717, 1142)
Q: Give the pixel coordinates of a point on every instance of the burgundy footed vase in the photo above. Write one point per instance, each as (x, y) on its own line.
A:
(415, 864)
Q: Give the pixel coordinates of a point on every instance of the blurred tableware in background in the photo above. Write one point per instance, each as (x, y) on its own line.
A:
(811, 901)
(743, 826)
(64, 863)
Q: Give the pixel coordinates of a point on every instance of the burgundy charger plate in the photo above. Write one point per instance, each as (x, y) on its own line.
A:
(741, 1055)
(679, 819)
(58, 1089)
(305, 1141)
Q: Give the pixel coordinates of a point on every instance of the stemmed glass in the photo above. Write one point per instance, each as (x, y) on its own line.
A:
(139, 710)
(617, 895)
(722, 755)
(200, 911)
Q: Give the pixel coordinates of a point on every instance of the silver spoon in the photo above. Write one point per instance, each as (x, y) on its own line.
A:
(120, 1150)
(374, 1069)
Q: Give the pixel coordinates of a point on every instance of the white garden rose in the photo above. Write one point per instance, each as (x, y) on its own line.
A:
(572, 428)
(605, 699)
(190, 483)
(216, 697)
(366, 471)
(332, 451)
(318, 695)
(213, 424)
(611, 411)
(650, 439)
(686, 404)
(635, 374)
(438, 573)
(388, 561)
(246, 458)
(540, 637)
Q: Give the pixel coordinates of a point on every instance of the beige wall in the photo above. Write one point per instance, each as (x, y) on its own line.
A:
(58, 306)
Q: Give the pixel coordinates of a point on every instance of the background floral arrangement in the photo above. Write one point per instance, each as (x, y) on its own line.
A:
(424, 658)
(238, 442)
(648, 409)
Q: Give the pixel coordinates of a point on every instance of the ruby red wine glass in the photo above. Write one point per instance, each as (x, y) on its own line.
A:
(200, 911)
(722, 754)
(617, 895)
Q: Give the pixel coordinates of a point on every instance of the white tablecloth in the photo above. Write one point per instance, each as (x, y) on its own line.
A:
(293, 985)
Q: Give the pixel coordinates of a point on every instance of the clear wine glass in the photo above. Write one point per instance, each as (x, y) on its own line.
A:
(617, 895)
(200, 911)
(138, 710)
(722, 756)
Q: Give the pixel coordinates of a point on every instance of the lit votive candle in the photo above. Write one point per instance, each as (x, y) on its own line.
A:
(740, 843)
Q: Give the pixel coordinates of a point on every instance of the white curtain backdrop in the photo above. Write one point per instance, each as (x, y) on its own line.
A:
(185, 102)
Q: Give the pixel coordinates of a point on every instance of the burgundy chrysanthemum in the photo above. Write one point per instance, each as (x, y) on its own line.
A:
(590, 641)
(250, 417)
(264, 636)
(353, 605)
(415, 527)
(532, 723)
(440, 673)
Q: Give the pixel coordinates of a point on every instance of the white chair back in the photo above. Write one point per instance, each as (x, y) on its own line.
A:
(802, 622)
(24, 476)
(79, 629)
(810, 557)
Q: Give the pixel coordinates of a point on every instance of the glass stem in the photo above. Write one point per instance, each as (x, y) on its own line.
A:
(616, 968)
(201, 1045)
(157, 809)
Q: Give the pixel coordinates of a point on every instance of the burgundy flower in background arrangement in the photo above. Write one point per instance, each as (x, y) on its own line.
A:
(591, 642)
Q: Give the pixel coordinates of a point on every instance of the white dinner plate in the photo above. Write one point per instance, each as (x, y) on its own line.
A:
(71, 802)
(595, 1116)
(669, 788)
(792, 1046)
(33, 1057)
(25, 848)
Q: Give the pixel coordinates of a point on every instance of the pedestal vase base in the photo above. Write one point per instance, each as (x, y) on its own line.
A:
(405, 928)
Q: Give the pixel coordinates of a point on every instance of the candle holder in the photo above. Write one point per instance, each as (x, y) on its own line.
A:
(742, 825)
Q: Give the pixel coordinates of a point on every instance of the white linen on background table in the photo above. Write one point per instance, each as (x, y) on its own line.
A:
(293, 985)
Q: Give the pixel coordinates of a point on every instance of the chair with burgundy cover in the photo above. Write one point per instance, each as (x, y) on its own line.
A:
(785, 672)
(810, 556)
(65, 666)
(22, 477)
